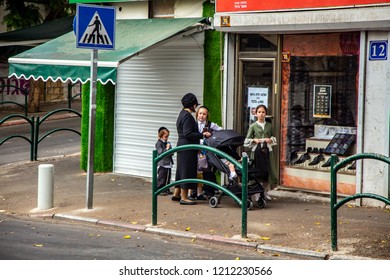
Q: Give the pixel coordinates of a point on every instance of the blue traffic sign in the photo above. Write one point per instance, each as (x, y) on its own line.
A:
(378, 50)
(95, 27)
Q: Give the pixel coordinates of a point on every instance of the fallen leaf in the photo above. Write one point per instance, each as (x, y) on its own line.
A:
(188, 228)
(90, 234)
(134, 223)
(193, 240)
(317, 223)
(126, 237)
(276, 255)
(212, 231)
(350, 206)
(267, 224)
(112, 180)
(237, 259)
(38, 245)
(265, 238)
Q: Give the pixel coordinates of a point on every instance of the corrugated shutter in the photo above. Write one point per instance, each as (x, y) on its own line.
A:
(148, 95)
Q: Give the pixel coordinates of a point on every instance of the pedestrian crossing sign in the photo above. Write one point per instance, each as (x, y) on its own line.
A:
(95, 27)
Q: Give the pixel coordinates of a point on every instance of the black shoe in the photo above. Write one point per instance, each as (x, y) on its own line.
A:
(317, 159)
(184, 202)
(302, 158)
(201, 197)
(175, 198)
(192, 196)
(168, 191)
(352, 166)
(293, 156)
(327, 163)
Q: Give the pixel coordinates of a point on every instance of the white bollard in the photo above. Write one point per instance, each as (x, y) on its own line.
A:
(45, 186)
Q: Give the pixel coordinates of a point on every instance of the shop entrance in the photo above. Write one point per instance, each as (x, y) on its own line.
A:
(257, 79)
(257, 76)
(257, 87)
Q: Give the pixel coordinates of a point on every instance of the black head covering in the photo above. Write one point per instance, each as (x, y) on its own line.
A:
(189, 100)
(161, 128)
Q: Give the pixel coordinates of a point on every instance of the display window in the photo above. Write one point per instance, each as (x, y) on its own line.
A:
(318, 108)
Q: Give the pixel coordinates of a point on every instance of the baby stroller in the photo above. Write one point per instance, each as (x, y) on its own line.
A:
(228, 141)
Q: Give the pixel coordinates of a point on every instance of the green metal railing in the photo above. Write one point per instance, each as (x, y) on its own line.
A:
(243, 168)
(35, 123)
(70, 97)
(31, 122)
(334, 205)
(25, 93)
(39, 121)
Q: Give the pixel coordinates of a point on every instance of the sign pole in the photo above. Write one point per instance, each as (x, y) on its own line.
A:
(95, 29)
(91, 128)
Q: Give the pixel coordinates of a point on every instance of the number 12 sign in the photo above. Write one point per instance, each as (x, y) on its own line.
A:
(378, 50)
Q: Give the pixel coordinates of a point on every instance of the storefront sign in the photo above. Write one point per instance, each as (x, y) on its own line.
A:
(322, 101)
(256, 5)
(378, 50)
(256, 96)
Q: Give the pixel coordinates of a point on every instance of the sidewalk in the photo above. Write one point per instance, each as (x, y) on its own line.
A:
(293, 222)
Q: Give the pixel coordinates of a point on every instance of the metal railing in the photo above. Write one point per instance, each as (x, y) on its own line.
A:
(31, 122)
(243, 168)
(25, 93)
(40, 121)
(35, 124)
(334, 205)
(70, 97)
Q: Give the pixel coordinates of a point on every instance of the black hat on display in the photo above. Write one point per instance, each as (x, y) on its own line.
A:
(189, 100)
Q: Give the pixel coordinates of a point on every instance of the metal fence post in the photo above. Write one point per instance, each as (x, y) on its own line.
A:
(154, 189)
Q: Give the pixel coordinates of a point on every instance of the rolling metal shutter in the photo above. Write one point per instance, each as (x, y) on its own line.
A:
(148, 94)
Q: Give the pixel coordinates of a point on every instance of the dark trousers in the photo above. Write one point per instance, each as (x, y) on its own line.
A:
(163, 176)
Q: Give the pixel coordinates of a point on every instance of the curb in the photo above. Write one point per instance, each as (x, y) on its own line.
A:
(188, 235)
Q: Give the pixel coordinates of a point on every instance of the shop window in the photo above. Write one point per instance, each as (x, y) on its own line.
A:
(319, 104)
(338, 76)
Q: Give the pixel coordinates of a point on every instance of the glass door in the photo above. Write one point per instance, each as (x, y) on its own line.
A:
(257, 86)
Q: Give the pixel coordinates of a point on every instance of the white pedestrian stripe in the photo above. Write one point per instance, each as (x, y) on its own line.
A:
(95, 33)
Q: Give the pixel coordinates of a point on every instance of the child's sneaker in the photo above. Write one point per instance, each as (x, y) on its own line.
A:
(232, 175)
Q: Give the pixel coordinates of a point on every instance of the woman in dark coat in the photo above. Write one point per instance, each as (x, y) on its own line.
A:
(187, 130)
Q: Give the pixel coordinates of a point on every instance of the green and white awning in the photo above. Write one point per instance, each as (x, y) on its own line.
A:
(59, 59)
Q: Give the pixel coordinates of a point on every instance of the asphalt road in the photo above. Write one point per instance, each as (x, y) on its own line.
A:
(55, 144)
(34, 239)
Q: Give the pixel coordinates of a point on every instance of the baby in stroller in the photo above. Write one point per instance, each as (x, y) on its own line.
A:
(228, 141)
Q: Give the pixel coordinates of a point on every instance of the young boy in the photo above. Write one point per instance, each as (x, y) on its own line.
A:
(165, 165)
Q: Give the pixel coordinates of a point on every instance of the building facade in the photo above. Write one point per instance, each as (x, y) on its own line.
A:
(322, 69)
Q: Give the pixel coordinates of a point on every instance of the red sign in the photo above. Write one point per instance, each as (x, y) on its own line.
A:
(223, 6)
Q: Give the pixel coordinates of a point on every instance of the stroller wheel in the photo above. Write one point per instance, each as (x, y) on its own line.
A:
(249, 204)
(261, 203)
(213, 202)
